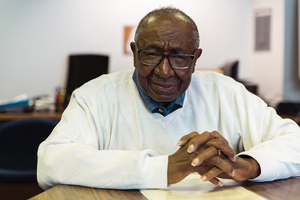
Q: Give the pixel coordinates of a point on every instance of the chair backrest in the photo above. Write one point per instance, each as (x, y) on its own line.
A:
(19, 141)
(231, 69)
(83, 68)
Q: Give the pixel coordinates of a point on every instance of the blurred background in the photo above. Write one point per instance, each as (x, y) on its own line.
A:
(37, 38)
(41, 42)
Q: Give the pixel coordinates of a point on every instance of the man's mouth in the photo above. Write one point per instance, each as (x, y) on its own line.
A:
(164, 85)
(163, 88)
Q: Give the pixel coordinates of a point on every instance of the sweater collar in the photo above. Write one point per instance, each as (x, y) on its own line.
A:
(153, 105)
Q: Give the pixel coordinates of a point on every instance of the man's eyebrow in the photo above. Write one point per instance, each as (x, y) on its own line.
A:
(177, 50)
(158, 47)
(154, 47)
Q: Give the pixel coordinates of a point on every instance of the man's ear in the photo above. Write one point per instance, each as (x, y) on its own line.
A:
(197, 54)
(133, 49)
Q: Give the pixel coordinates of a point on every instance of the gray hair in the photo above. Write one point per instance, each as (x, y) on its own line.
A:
(172, 12)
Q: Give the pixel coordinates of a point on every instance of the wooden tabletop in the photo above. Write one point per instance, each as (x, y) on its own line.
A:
(77, 192)
(43, 115)
(292, 117)
(276, 190)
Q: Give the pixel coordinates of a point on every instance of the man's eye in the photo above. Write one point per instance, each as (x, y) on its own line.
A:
(178, 57)
(152, 54)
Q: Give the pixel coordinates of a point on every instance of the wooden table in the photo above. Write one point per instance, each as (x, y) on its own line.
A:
(7, 117)
(276, 190)
(43, 115)
(64, 192)
(292, 117)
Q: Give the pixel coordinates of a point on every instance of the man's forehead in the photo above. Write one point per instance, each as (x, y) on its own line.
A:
(166, 26)
(153, 45)
(171, 33)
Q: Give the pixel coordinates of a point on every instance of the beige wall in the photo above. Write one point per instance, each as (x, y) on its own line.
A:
(267, 66)
(37, 37)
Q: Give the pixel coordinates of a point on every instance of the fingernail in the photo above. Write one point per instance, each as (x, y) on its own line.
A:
(203, 178)
(234, 158)
(191, 148)
(220, 183)
(195, 162)
(179, 143)
(233, 173)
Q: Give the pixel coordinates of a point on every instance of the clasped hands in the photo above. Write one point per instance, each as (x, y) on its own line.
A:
(210, 155)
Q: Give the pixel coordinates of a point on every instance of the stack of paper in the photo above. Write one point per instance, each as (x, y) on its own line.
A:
(193, 188)
(44, 103)
(16, 104)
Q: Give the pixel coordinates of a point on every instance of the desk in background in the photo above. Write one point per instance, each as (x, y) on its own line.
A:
(276, 190)
(6, 117)
(292, 117)
(44, 115)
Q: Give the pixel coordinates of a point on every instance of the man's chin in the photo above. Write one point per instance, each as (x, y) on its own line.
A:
(162, 99)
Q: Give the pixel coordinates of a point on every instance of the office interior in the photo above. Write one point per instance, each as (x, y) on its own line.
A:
(37, 38)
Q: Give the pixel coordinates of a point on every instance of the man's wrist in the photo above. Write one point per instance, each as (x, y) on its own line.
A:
(254, 167)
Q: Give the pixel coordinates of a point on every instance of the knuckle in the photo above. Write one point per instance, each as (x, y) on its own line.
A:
(226, 142)
(217, 160)
(194, 133)
(194, 140)
(215, 134)
(223, 142)
(207, 134)
(190, 136)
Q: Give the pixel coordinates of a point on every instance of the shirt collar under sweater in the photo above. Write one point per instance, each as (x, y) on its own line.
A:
(153, 105)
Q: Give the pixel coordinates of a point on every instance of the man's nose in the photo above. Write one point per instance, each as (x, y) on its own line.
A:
(164, 69)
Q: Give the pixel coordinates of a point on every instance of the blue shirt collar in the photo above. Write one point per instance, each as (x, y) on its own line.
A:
(153, 105)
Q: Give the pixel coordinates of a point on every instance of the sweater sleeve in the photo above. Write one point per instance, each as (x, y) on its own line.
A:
(272, 141)
(74, 154)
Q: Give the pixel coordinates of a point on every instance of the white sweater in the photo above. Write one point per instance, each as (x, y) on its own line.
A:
(107, 137)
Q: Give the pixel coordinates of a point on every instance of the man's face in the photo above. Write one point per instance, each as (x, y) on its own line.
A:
(169, 36)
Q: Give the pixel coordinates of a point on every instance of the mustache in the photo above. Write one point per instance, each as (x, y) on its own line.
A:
(171, 79)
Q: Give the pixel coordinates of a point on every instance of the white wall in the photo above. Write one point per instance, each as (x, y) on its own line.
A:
(291, 91)
(267, 66)
(36, 37)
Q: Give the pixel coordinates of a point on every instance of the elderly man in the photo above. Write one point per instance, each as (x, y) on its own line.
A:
(123, 130)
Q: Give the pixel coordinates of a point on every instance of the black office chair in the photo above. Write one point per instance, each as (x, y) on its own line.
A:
(83, 68)
(19, 141)
(231, 69)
